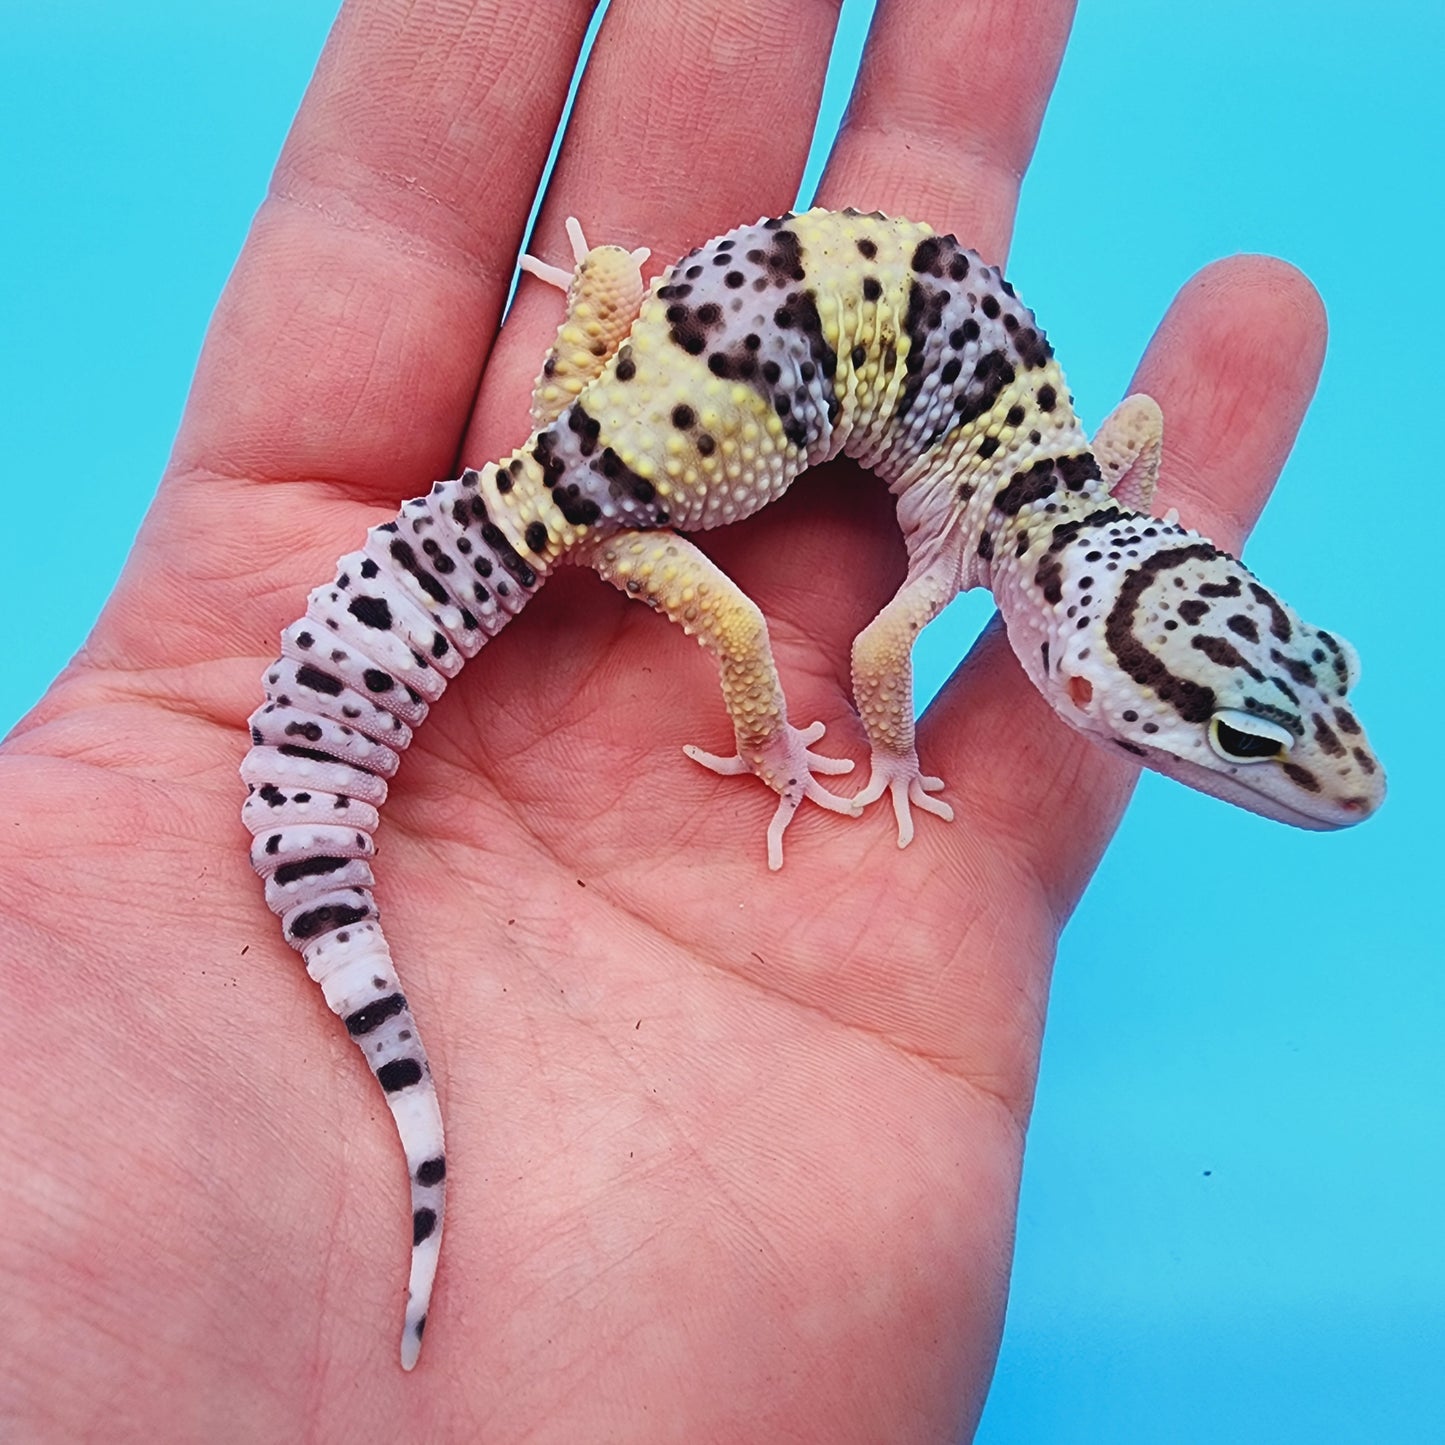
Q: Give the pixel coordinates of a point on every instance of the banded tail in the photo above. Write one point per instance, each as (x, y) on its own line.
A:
(356, 675)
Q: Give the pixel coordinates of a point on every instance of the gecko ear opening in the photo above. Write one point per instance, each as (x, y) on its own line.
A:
(1081, 691)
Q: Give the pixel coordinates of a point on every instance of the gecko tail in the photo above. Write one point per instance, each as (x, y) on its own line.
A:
(337, 931)
(356, 676)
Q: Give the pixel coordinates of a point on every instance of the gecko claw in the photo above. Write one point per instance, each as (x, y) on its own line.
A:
(789, 766)
(908, 788)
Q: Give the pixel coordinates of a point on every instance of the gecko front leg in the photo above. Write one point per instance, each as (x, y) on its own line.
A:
(673, 577)
(883, 691)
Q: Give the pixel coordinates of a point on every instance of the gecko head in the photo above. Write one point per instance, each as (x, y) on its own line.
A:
(1188, 663)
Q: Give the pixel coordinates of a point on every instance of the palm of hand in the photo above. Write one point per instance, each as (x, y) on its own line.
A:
(736, 1150)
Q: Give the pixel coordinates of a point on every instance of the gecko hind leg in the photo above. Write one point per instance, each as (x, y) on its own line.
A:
(1128, 448)
(673, 577)
(605, 291)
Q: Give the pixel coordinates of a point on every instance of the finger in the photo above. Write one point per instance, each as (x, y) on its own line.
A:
(946, 112)
(1251, 316)
(692, 115)
(1233, 364)
(348, 344)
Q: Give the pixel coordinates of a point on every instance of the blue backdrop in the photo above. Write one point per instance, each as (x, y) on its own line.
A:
(1232, 1212)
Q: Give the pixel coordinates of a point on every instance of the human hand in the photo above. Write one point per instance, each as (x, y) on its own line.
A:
(733, 1156)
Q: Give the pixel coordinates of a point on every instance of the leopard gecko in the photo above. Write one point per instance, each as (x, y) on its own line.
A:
(691, 403)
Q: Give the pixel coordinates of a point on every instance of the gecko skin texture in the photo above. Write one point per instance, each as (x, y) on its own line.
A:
(693, 403)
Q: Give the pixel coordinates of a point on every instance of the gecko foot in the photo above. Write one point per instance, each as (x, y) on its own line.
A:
(788, 766)
(900, 777)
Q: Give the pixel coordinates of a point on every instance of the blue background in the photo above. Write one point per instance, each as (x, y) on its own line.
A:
(1231, 1225)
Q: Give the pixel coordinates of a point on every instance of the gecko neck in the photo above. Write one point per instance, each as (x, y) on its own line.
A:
(1054, 567)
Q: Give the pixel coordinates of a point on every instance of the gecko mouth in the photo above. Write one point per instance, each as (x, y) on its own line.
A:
(1321, 812)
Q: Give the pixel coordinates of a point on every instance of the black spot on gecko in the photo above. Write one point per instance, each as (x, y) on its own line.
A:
(405, 558)
(1192, 610)
(872, 288)
(1299, 672)
(1278, 619)
(1033, 348)
(1327, 738)
(536, 536)
(866, 248)
(399, 1074)
(1229, 588)
(993, 373)
(315, 755)
(1049, 578)
(544, 453)
(273, 797)
(926, 254)
(374, 1014)
(1243, 626)
(422, 1224)
(318, 681)
(622, 480)
(308, 868)
(1302, 776)
(373, 611)
(1032, 484)
(507, 555)
(327, 917)
(585, 428)
(1075, 471)
(1223, 652)
(683, 417)
(431, 1171)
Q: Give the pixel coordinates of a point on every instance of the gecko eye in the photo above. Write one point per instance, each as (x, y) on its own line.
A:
(1240, 737)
